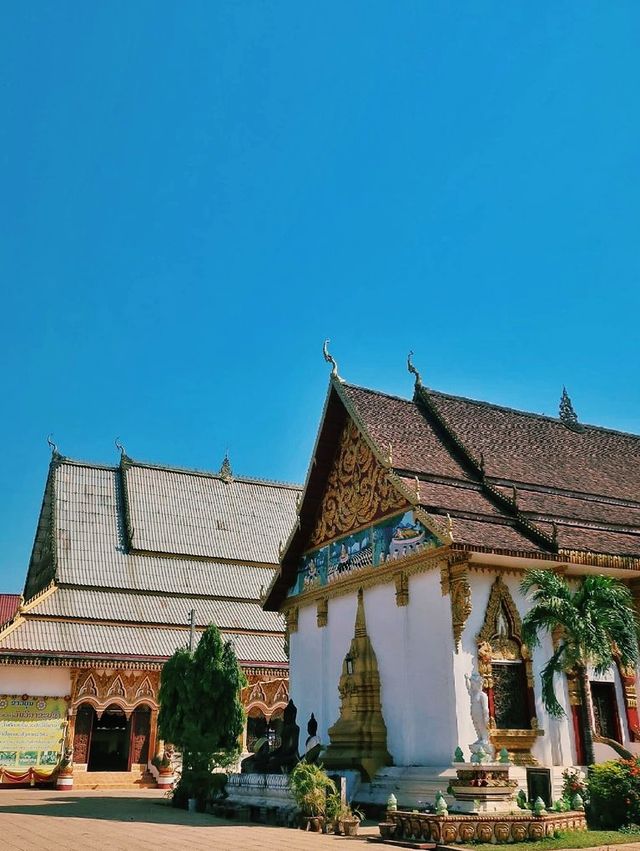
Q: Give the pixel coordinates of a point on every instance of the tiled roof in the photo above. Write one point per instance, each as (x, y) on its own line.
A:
(398, 423)
(91, 549)
(101, 605)
(510, 482)
(204, 515)
(565, 481)
(132, 549)
(9, 604)
(523, 447)
(95, 639)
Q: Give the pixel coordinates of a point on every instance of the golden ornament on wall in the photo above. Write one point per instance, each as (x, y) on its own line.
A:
(357, 490)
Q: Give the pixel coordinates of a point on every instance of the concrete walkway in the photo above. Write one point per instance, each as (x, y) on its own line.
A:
(35, 820)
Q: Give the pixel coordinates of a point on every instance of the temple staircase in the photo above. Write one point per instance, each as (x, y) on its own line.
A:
(137, 778)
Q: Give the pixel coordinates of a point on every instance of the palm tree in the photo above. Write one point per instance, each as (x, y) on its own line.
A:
(596, 622)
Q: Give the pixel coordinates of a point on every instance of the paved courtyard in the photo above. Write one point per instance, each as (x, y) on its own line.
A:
(31, 820)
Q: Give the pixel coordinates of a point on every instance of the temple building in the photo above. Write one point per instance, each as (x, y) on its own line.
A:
(400, 582)
(122, 556)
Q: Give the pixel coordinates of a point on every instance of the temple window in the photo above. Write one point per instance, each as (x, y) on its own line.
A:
(511, 707)
(505, 665)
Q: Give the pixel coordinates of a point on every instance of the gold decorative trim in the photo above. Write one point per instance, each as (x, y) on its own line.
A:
(442, 532)
(355, 416)
(454, 581)
(41, 595)
(358, 490)
(402, 589)
(322, 612)
(291, 620)
(13, 625)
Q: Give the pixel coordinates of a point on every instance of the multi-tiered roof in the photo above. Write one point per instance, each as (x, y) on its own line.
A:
(123, 554)
(491, 479)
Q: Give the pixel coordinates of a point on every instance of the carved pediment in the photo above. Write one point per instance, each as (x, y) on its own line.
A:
(145, 689)
(257, 693)
(117, 689)
(282, 694)
(88, 687)
(357, 491)
(102, 685)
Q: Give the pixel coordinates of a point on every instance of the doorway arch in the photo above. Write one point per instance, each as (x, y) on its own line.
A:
(110, 741)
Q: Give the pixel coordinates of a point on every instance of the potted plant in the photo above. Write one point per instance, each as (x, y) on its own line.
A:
(165, 772)
(64, 778)
(350, 821)
(311, 787)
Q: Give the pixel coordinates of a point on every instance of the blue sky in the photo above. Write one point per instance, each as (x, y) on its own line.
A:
(195, 195)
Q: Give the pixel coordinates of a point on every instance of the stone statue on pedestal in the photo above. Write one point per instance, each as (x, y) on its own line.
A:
(479, 714)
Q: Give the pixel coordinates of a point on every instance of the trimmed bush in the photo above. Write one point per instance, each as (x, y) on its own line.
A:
(614, 793)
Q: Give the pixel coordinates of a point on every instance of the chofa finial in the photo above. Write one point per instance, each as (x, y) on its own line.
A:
(226, 473)
(52, 445)
(413, 370)
(330, 359)
(120, 447)
(567, 414)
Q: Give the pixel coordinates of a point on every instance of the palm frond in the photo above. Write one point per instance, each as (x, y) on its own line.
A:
(554, 666)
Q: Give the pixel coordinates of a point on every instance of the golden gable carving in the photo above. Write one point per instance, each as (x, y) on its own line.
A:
(357, 491)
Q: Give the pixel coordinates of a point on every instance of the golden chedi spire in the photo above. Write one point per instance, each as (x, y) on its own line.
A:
(359, 736)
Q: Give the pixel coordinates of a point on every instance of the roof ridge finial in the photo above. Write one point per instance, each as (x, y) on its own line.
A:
(120, 447)
(226, 473)
(567, 413)
(413, 370)
(330, 359)
(52, 445)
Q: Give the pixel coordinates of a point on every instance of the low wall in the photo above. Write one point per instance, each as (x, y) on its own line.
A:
(497, 828)
(260, 790)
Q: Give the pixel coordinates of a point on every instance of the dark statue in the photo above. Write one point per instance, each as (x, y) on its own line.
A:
(257, 762)
(283, 758)
(313, 745)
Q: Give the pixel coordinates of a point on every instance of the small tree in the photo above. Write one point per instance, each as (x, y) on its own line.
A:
(593, 622)
(200, 710)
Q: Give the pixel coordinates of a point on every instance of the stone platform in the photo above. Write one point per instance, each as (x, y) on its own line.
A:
(415, 785)
(260, 797)
(488, 827)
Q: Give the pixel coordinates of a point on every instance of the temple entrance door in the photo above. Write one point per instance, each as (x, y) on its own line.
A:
(110, 741)
(140, 732)
(85, 720)
(605, 710)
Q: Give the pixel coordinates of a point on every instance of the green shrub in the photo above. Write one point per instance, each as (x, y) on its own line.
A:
(310, 786)
(614, 793)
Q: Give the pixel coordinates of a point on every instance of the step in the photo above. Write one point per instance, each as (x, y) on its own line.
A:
(113, 780)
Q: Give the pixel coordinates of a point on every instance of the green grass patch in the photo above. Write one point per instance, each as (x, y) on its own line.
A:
(570, 839)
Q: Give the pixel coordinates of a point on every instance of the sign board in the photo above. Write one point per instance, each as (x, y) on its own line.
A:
(32, 731)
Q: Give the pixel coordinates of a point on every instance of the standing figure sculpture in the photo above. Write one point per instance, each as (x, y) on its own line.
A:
(479, 714)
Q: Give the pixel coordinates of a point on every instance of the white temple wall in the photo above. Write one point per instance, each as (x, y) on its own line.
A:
(431, 690)
(305, 667)
(35, 680)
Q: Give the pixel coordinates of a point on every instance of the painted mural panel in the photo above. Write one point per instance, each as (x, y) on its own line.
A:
(390, 539)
